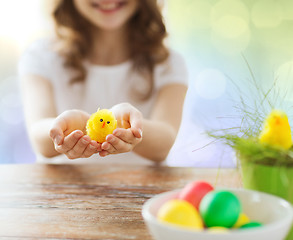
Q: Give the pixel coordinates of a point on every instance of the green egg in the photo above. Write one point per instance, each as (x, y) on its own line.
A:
(251, 225)
(220, 208)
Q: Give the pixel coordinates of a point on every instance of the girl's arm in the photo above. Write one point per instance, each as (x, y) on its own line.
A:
(39, 111)
(40, 114)
(161, 129)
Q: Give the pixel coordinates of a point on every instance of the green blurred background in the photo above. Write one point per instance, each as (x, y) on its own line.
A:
(226, 44)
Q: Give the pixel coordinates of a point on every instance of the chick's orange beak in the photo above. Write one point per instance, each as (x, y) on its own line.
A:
(103, 125)
(278, 121)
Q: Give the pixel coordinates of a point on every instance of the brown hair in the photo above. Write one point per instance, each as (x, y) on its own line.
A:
(146, 34)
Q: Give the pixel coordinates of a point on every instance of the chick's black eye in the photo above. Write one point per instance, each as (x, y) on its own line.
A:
(108, 122)
(101, 120)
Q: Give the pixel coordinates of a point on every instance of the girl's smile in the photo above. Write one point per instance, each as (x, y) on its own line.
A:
(107, 14)
(108, 6)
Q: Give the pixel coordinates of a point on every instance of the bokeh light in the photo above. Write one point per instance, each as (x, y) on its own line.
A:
(187, 17)
(230, 35)
(267, 13)
(229, 8)
(23, 21)
(201, 14)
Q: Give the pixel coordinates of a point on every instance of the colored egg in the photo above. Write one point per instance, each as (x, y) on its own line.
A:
(194, 192)
(251, 225)
(218, 230)
(180, 213)
(243, 219)
(220, 208)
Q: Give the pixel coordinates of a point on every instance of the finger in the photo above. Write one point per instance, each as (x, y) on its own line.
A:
(57, 129)
(106, 146)
(118, 144)
(137, 132)
(69, 141)
(103, 153)
(91, 149)
(126, 135)
(97, 145)
(136, 121)
(79, 148)
(119, 121)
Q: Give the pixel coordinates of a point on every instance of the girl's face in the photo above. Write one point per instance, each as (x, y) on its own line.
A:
(107, 14)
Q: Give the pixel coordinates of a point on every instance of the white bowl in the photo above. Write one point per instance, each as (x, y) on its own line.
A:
(275, 213)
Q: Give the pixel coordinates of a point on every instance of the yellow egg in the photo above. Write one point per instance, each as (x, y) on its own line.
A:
(243, 219)
(100, 124)
(218, 230)
(181, 213)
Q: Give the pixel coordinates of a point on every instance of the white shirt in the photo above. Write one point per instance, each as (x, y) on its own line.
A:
(103, 87)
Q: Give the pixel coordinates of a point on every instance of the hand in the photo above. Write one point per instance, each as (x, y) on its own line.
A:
(68, 134)
(128, 133)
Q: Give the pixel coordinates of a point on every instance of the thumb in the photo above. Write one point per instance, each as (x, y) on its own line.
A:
(57, 131)
(136, 123)
(137, 132)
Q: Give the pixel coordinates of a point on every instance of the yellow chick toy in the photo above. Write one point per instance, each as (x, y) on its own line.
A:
(276, 131)
(100, 124)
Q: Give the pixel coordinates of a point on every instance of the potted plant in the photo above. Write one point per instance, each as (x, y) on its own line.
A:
(265, 155)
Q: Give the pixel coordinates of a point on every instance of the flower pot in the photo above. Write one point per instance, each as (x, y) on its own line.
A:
(276, 180)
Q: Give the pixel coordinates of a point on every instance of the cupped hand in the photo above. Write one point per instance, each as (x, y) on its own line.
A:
(68, 135)
(129, 131)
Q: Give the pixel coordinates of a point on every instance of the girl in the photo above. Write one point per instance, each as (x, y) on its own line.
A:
(106, 54)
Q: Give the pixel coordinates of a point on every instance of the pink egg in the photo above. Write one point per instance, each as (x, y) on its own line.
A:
(194, 192)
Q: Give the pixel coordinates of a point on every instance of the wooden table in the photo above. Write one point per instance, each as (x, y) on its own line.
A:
(88, 201)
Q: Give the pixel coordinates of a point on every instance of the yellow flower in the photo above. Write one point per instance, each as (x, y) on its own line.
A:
(276, 131)
(100, 124)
